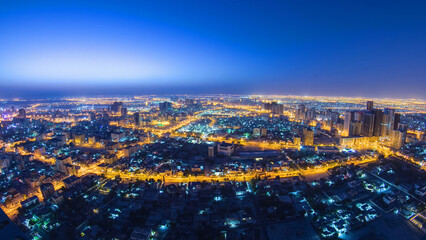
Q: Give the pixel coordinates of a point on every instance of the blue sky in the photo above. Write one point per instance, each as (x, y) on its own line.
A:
(354, 48)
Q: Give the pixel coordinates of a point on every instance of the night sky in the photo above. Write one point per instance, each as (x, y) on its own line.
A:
(342, 48)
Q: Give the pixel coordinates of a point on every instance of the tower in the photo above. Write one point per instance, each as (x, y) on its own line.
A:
(369, 105)
(22, 114)
(136, 119)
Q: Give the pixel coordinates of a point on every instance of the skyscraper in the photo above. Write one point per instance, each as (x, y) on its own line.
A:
(92, 116)
(310, 114)
(369, 105)
(274, 107)
(388, 121)
(116, 107)
(165, 107)
(136, 119)
(349, 117)
(399, 136)
(358, 116)
(277, 108)
(355, 128)
(397, 120)
(300, 112)
(368, 124)
(123, 111)
(378, 122)
(22, 114)
(308, 137)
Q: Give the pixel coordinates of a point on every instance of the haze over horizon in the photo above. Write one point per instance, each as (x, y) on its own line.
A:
(362, 48)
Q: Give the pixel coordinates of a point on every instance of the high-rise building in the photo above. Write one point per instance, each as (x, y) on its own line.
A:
(310, 114)
(368, 124)
(277, 108)
(92, 116)
(123, 112)
(399, 136)
(378, 122)
(22, 114)
(136, 119)
(274, 107)
(397, 120)
(370, 105)
(388, 121)
(308, 137)
(349, 117)
(225, 149)
(116, 107)
(189, 101)
(300, 112)
(355, 128)
(297, 140)
(211, 152)
(358, 116)
(165, 107)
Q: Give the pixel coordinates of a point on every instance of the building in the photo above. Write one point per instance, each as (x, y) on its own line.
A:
(388, 121)
(263, 132)
(378, 122)
(91, 140)
(140, 234)
(310, 114)
(79, 138)
(30, 202)
(351, 142)
(256, 132)
(71, 181)
(358, 116)
(397, 120)
(349, 117)
(71, 169)
(327, 149)
(110, 158)
(419, 220)
(355, 128)
(300, 112)
(136, 119)
(61, 161)
(116, 107)
(297, 140)
(370, 105)
(211, 152)
(274, 107)
(22, 114)
(399, 136)
(277, 108)
(225, 149)
(117, 136)
(368, 124)
(165, 107)
(92, 116)
(123, 111)
(189, 101)
(47, 190)
(308, 137)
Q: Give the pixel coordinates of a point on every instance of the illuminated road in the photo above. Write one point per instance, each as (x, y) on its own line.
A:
(240, 177)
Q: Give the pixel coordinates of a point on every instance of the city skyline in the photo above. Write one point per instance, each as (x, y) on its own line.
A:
(212, 120)
(104, 48)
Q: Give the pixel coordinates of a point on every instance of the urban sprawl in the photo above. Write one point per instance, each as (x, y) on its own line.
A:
(213, 167)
